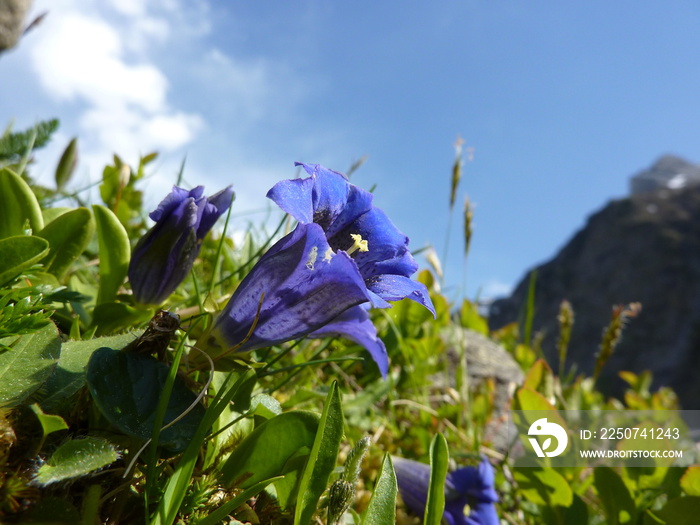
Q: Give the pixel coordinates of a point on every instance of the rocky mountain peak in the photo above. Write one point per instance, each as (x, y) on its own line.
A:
(668, 172)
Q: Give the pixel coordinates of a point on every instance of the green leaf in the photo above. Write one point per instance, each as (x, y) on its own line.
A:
(66, 166)
(470, 318)
(51, 214)
(439, 458)
(18, 205)
(690, 482)
(381, 509)
(27, 364)
(19, 253)
(68, 236)
(679, 511)
(14, 145)
(541, 379)
(49, 422)
(76, 458)
(114, 250)
(615, 496)
(543, 486)
(70, 374)
(126, 388)
(265, 406)
(262, 454)
(322, 458)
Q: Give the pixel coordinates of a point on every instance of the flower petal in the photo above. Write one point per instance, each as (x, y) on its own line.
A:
(295, 197)
(173, 200)
(355, 324)
(216, 206)
(304, 284)
(395, 287)
(476, 482)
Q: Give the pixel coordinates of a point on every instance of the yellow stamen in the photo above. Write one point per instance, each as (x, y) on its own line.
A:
(359, 244)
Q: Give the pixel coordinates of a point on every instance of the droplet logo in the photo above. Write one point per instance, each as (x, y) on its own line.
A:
(542, 427)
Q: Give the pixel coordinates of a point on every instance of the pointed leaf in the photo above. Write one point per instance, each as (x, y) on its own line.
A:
(49, 422)
(381, 509)
(76, 458)
(439, 458)
(18, 204)
(66, 166)
(115, 252)
(18, 253)
(322, 458)
(27, 363)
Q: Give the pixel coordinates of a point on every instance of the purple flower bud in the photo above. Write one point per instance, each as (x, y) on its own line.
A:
(165, 254)
(469, 492)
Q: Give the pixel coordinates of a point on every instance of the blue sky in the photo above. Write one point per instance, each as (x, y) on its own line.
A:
(560, 103)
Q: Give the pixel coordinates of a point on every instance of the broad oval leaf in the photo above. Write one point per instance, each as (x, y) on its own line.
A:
(27, 363)
(126, 388)
(18, 206)
(68, 236)
(19, 253)
(76, 458)
(381, 509)
(263, 454)
(115, 252)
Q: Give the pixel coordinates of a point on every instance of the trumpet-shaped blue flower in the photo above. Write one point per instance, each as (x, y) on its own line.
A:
(353, 225)
(469, 492)
(299, 285)
(165, 254)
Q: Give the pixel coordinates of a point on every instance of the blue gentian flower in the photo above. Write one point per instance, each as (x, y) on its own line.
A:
(469, 491)
(354, 225)
(344, 255)
(165, 254)
(298, 286)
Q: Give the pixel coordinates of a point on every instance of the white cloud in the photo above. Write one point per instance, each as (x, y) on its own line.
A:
(97, 59)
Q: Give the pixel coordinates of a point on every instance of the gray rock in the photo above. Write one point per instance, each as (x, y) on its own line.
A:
(668, 172)
(486, 359)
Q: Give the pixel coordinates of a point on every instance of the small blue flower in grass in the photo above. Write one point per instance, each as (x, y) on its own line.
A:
(469, 491)
(165, 254)
(354, 225)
